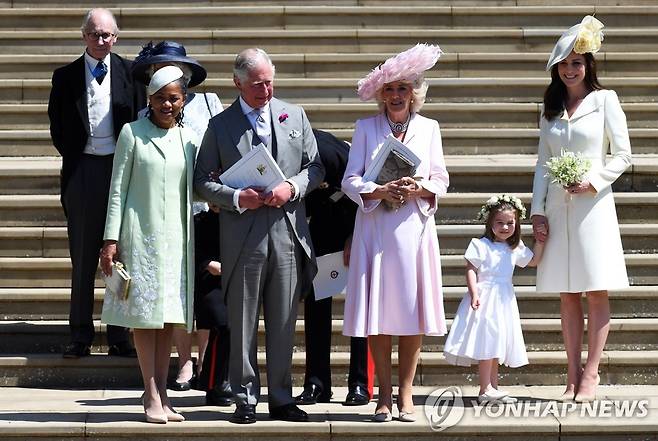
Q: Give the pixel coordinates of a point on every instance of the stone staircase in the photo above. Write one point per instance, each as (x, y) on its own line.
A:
(485, 92)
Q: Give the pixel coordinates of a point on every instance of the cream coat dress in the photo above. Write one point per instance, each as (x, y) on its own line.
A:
(583, 251)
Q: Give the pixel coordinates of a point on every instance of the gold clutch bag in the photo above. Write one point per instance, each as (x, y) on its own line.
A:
(119, 282)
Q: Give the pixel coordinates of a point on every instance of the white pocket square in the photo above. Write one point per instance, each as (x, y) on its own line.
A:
(294, 134)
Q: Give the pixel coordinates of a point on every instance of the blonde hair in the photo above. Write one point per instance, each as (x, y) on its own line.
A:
(418, 94)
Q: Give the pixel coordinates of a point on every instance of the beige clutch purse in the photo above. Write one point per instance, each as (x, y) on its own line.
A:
(119, 282)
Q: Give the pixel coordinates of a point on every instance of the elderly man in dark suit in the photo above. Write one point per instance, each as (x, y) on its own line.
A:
(265, 243)
(91, 99)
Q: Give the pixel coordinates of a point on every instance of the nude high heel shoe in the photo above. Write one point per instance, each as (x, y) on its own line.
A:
(156, 419)
(173, 416)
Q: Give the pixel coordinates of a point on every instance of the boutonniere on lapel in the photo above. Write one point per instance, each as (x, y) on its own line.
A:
(283, 117)
(294, 134)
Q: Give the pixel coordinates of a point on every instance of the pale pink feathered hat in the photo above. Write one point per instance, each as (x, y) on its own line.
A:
(407, 65)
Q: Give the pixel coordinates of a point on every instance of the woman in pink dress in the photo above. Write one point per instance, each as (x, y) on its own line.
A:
(394, 282)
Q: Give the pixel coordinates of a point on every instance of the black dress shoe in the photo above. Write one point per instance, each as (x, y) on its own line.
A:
(244, 414)
(312, 394)
(122, 349)
(182, 387)
(216, 397)
(76, 350)
(288, 412)
(357, 396)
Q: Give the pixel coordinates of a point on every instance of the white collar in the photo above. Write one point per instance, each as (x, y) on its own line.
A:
(92, 62)
(247, 109)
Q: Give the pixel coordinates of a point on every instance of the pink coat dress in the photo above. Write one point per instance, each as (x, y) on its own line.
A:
(394, 278)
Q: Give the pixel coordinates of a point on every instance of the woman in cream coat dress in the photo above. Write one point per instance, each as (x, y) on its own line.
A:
(583, 251)
(149, 229)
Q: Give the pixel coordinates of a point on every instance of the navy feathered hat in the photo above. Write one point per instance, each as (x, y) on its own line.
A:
(165, 52)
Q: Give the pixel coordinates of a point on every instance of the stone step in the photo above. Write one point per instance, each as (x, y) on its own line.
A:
(356, 40)
(515, 173)
(456, 208)
(31, 210)
(314, 17)
(53, 303)
(197, 3)
(343, 90)
(468, 173)
(115, 414)
(46, 272)
(53, 241)
(49, 336)
(461, 208)
(341, 65)
(545, 367)
(456, 141)
(340, 119)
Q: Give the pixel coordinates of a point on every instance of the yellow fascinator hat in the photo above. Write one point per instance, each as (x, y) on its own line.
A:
(584, 37)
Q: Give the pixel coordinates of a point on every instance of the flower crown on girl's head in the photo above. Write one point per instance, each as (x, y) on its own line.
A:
(497, 200)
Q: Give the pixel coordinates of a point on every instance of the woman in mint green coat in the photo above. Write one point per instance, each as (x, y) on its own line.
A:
(149, 229)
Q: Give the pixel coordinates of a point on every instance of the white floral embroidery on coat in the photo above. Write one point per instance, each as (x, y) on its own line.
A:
(145, 286)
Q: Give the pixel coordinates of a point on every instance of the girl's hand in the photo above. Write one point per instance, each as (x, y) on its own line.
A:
(475, 301)
(580, 187)
(540, 227)
(108, 252)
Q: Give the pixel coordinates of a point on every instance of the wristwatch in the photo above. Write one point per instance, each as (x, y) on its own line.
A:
(292, 190)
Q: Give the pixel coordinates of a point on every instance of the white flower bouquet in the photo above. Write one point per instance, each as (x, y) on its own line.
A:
(568, 168)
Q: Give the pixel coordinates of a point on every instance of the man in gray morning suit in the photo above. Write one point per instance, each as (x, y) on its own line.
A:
(265, 241)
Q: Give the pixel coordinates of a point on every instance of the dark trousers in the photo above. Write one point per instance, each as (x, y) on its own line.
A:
(317, 325)
(211, 314)
(214, 374)
(85, 204)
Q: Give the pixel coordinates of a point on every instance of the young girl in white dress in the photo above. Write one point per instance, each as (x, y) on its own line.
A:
(487, 328)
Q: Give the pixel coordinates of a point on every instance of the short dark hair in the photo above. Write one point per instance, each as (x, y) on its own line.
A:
(556, 92)
(514, 240)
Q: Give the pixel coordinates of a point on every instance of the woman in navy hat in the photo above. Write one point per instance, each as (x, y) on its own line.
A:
(199, 108)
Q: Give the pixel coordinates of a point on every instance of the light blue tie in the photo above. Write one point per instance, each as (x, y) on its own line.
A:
(261, 127)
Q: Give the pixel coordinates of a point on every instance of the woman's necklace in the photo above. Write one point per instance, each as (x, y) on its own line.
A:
(398, 127)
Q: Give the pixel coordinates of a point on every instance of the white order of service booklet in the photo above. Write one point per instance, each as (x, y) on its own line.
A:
(255, 169)
(331, 278)
(390, 145)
